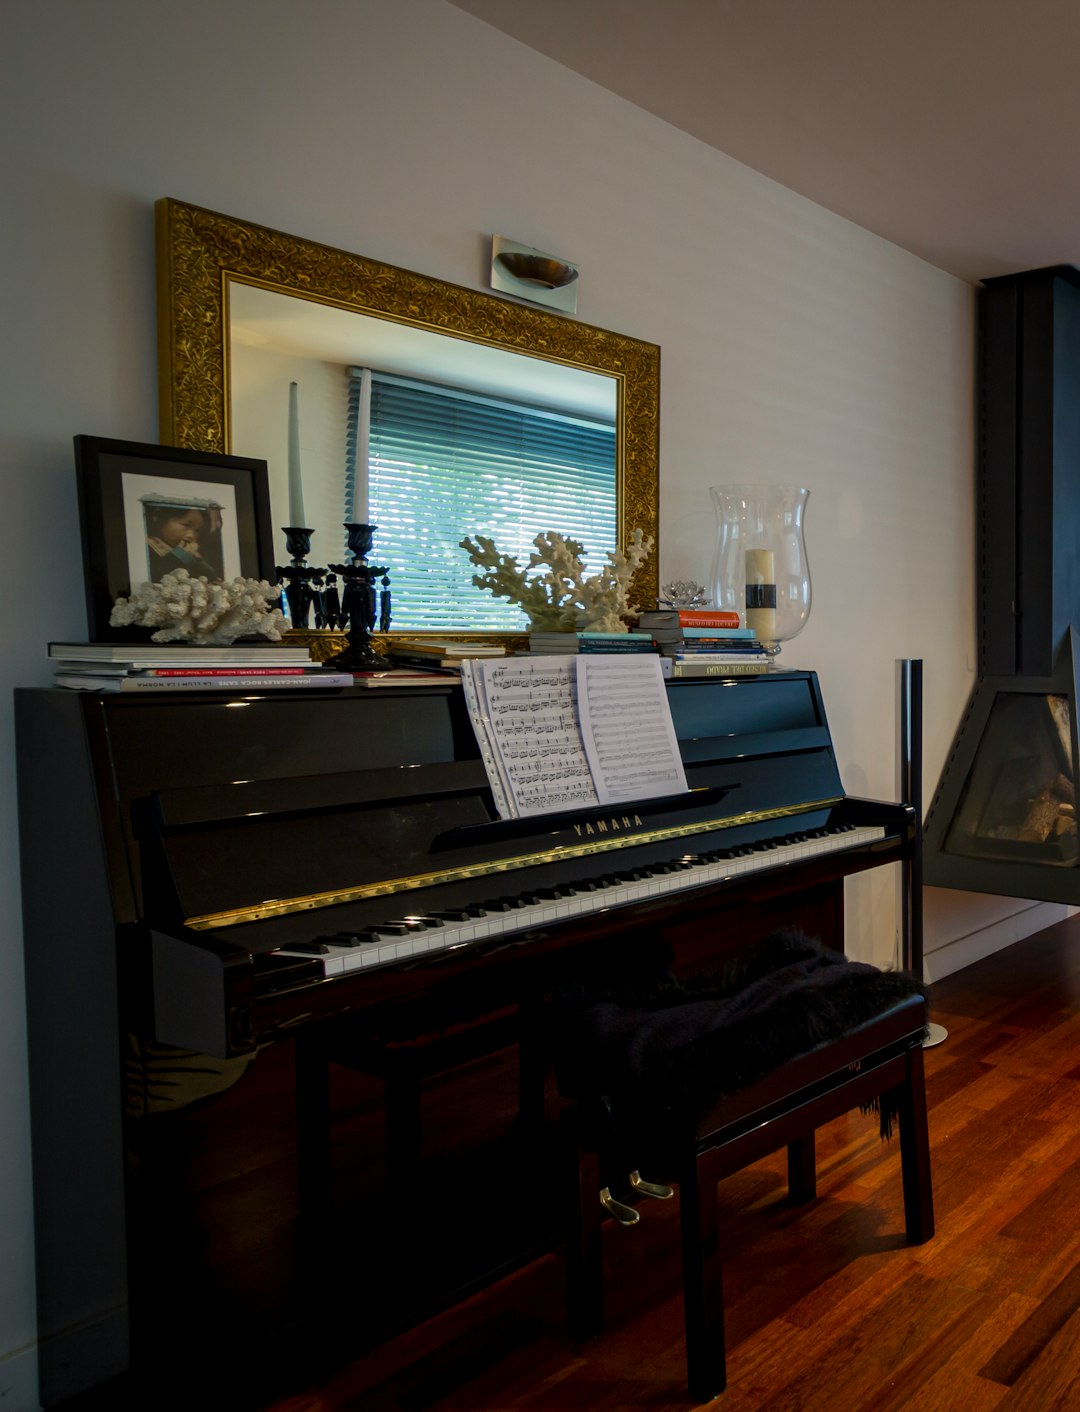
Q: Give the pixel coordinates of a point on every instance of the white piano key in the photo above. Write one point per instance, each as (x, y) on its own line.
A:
(543, 913)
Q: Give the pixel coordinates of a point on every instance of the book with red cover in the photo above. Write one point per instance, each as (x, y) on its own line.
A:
(708, 618)
(227, 671)
(690, 618)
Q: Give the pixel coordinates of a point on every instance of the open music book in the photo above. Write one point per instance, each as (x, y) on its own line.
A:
(574, 732)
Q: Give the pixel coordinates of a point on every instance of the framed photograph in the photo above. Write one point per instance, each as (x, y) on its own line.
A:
(145, 510)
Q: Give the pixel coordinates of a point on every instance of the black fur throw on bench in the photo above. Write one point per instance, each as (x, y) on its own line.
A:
(668, 1050)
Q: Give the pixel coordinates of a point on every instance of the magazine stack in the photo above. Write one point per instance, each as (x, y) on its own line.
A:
(168, 667)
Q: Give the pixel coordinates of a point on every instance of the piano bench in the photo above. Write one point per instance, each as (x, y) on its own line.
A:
(876, 1064)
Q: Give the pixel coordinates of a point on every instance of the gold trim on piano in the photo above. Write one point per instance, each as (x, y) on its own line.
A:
(280, 907)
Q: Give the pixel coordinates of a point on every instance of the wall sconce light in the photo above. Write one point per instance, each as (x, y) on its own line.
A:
(533, 275)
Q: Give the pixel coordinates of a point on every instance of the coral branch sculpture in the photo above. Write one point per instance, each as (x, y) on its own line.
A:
(185, 609)
(562, 599)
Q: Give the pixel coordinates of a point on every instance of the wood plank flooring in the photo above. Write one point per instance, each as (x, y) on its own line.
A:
(827, 1307)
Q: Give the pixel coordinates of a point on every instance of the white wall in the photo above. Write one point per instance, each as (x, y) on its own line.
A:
(259, 408)
(796, 347)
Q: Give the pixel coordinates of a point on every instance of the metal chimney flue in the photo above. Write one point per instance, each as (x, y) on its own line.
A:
(1003, 818)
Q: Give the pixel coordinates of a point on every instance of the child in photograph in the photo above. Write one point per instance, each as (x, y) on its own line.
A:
(183, 534)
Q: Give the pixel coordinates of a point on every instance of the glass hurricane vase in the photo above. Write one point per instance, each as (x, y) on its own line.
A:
(760, 567)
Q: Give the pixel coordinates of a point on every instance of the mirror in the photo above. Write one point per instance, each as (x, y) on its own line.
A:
(236, 299)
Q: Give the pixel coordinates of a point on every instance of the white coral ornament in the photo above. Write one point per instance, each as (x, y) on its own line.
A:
(184, 609)
(563, 599)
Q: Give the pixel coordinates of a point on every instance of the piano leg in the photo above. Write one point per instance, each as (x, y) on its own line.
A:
(313, 1161)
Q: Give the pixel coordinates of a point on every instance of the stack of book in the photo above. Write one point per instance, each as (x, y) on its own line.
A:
(668, 625)
(438, 654)
(702, 642)
(712, 652)
(717, 664)
(550, 642)
(168, 666)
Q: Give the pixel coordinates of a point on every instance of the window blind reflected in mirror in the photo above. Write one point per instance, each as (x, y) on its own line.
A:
(441, 463)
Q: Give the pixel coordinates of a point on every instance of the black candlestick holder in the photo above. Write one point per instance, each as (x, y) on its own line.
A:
(299, 578)
(365, 603)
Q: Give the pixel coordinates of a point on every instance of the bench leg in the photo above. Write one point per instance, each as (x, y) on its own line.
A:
(915, 1152)
(703, 1298)
(801, 1170)
(584, 1249)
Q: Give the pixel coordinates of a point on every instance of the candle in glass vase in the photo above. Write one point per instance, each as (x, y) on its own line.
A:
(296, 489)
(761, 593)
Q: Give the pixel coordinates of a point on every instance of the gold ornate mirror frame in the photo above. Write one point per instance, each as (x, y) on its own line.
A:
(200, 251)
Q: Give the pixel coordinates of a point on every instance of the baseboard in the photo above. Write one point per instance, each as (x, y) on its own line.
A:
(83, 1357)
(966, 950)
(19, 1381)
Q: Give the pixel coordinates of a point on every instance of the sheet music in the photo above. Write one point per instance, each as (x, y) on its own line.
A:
(572, 732)
(528, 713)
(626, 727)
(472, 688)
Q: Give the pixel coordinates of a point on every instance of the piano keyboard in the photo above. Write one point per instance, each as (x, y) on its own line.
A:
(419, 934)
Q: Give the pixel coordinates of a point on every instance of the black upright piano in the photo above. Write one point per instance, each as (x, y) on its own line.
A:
(260, 927)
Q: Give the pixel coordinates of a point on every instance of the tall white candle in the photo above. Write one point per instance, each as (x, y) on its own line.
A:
(296, 488)
(356, 508)
(761, 593)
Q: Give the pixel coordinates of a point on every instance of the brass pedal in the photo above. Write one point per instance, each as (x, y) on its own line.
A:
(662, 1193)
(625, 1215)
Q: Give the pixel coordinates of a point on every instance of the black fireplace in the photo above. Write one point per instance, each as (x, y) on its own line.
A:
(1003, 819)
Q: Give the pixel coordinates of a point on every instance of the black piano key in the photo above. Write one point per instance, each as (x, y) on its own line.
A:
(310, 948)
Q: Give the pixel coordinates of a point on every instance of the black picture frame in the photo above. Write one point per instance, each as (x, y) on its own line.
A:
(120, 483)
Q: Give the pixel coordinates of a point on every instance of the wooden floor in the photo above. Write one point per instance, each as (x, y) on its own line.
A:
(826, 1306)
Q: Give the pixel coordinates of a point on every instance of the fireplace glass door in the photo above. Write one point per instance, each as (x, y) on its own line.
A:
(1018, 803)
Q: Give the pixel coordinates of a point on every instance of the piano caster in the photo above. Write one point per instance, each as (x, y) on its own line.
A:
(661, 1192)
(625, 1215)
